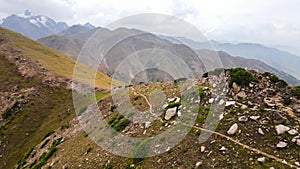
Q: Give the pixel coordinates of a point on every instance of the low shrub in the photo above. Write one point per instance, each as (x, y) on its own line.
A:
(241, 77)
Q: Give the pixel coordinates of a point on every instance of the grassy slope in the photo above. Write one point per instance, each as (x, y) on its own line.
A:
(46, 111)
(50, 59)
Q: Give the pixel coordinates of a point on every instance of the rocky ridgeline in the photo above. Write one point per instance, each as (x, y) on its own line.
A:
(263, 112)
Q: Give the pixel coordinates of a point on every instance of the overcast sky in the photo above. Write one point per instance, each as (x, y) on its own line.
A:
(270, 22)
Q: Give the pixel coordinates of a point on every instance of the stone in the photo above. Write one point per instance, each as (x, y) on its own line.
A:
(293, 132)
(202, 149)
(147, 124)
(198, 164)
(242, 95)
(254, 117)
(278, 118)
(223, 148)
(233, 129)
(214, 85)
(297, 163)
(221, 102)
(235, 87)
(179, 114)
(170, 113)
(280, 129)
(172, 99)
(260, 131)
(229, 103)
(165, 106)
(243, 119)
(261, 159)
(177, 100)
(298, 142)
(269, 102)
(281, 144)
(294, 139)
(244, 107)
(210, 101)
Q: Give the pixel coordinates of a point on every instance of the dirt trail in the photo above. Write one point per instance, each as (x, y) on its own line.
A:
(283, 161)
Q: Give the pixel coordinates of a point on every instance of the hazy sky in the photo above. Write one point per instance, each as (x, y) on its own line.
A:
(270, 22)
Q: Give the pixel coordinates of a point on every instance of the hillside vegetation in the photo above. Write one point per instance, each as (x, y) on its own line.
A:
(48, 58)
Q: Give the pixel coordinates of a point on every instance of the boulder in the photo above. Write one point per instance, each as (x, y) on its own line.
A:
(242, 95)
(170, 113)
(261, 159)
(281, 144)
(233, 129)
(280, 129)
(260, 131)
(202, 149)
(293, 132)
(147, 124)
(243, 119)
(223, 148)
(254, 117)
(244, 107)
(229, 103)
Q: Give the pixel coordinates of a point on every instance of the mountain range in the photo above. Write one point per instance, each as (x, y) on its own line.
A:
(34, 26)
(71, 41)
(278, 59)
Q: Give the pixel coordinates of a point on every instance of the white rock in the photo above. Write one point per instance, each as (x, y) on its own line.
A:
(202, 149)
(221, 102)
(230, 103)
(294, 139)
(210, 101)
(198, 164)
(223, 148)
(242, 95)
(297, 163)
(179, 114)
(177, 100)
(243, 119)
(165, 106)
(243, 107)
(261, 159)
(293, 132)
(254, 117)
(214, 85)
(205, 88)
(298, 142)
(147, 124)
(280, 129)
(170, 113)
(281, 144)
(233, 129)
(221, 116)
(260, 131)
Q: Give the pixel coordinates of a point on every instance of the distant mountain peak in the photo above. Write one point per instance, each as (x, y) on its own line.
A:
(32, 25)
(89, 25)
(25, 14)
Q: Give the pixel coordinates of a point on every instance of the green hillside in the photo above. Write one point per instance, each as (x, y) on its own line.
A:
(48, 58)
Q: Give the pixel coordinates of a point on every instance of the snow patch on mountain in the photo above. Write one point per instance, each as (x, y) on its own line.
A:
(26, 14)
